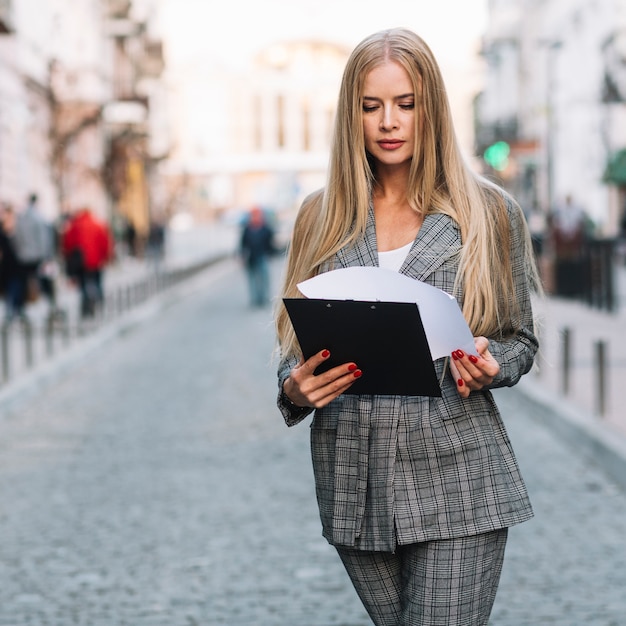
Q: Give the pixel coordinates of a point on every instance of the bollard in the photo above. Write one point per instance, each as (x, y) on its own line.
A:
(601, 369)
(566, 340)
(49, 332)
(6, 371)
(117, 302)
(28, 343)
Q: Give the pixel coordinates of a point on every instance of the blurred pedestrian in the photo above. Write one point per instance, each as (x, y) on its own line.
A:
(537, 225)
(34, 245)
(568, 224)
(131, 239)
(416, 493)
(155, 248)
(256, 246)
(10, 274)
(87, 247)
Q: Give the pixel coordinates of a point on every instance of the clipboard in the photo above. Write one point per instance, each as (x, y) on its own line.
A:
(385, 339)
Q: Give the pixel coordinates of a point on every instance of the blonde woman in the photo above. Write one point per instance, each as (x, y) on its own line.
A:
(416, 493)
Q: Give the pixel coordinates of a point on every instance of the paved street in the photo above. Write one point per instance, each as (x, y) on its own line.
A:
(154, 484)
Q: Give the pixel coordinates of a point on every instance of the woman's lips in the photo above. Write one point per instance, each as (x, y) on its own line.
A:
(390, 144)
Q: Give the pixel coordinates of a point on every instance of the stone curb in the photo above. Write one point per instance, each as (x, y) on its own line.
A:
(48, 372)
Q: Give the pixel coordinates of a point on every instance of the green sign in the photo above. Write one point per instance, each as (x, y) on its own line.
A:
(497, 155)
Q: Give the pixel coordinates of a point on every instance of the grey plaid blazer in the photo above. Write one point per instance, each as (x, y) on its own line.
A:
(403, 469)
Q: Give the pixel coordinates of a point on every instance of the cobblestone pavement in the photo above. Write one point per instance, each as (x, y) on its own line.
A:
(156, 485)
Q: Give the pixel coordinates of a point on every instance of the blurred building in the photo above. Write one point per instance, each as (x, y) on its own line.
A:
(551, 120)
(135, 118)
(257, 136)
(80, 106)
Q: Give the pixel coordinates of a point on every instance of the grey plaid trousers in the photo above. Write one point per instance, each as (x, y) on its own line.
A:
(451, 582)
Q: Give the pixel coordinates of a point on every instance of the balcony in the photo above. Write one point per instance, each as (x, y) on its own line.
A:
(127, 113)
(6, 17)
(118, 8)
(122, 27)
(152, 64)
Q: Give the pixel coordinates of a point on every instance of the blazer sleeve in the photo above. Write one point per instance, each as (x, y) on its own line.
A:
(291, 413)
(516, 353)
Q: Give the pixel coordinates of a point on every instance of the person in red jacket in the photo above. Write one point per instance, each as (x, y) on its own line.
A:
(87, 247)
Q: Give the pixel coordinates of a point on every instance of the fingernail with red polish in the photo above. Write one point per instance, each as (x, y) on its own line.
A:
(460, 354)
(454, 356)
(357, 374)
(325, 353)
(460, 382)
(351, 367)
(473, 359)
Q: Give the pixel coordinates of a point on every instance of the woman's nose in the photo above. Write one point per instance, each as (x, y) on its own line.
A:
(388, 119)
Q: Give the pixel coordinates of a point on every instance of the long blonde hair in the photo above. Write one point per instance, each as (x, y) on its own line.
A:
(439, 182)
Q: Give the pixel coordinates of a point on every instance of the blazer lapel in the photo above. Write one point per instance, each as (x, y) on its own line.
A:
(438, 239)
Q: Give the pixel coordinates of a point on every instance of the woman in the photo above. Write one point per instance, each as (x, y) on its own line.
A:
(416, 493)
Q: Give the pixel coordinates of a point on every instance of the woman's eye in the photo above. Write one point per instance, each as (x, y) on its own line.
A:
(408, 106)
(368, 109)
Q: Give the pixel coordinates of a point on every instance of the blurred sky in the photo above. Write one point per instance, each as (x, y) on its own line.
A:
(229, 32)
(234, 29)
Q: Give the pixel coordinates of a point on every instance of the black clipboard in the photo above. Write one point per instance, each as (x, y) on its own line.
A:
(385, 339)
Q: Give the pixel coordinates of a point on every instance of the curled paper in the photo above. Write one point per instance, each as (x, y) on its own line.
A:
(444, 324)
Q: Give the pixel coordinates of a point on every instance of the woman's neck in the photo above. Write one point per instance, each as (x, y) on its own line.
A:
(396, 222)
(391, 185)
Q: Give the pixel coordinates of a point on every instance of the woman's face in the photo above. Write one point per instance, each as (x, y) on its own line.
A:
(389, 114)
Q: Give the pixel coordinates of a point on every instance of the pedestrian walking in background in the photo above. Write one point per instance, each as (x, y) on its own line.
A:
(155, 248)
(87, 247)
(256, 246)
(34, 245)
(568, 223)
(416, 493)
(10, 273)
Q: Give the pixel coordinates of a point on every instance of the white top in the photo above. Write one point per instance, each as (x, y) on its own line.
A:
(393, 259)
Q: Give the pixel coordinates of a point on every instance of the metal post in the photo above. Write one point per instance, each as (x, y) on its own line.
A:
(49, 330)
(65, 328)
(553, 48)
(601, 369)
(6, 365)
(566, 341)
(28, 343)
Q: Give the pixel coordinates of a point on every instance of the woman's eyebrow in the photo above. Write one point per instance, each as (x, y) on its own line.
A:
(401, 97)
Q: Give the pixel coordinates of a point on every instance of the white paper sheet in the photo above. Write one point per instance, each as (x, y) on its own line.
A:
(444, 324)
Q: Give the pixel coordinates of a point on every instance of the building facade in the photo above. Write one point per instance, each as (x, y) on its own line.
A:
(78, 88)
(551, 119)
(260, 135)
(134, 119)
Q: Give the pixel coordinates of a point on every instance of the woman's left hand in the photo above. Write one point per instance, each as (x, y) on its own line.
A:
(472, 373)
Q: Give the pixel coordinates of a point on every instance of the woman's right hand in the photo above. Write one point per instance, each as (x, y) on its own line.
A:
(304, 388)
